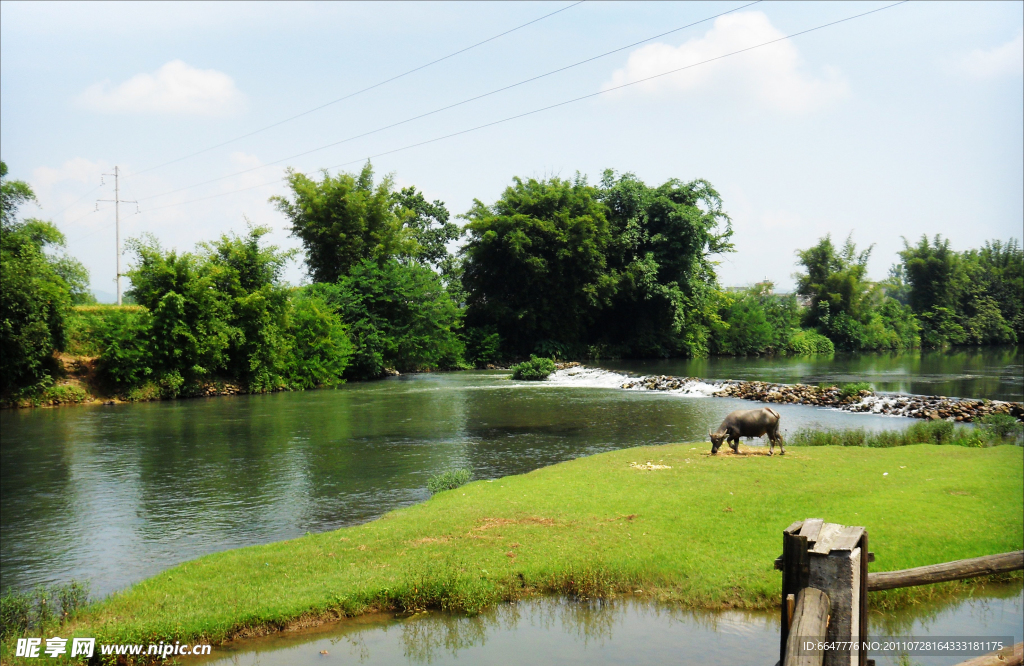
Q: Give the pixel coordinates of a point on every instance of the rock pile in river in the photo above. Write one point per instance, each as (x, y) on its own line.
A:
(915, 406)
(660, 383)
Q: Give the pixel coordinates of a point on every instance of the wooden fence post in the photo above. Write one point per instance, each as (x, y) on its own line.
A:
(833, 559)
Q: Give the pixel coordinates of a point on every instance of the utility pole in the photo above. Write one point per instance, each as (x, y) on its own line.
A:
(117, 224)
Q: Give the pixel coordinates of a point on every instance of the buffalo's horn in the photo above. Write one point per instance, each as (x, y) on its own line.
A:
(709, 433)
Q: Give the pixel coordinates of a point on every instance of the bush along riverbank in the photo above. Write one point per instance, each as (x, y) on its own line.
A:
(851, 398)
(691, 529)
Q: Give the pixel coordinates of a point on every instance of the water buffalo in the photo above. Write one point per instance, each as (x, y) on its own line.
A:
(748, 423)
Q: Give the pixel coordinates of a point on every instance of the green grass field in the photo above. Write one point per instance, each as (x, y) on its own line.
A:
(703, 533)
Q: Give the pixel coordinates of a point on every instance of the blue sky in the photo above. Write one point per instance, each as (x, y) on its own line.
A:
(904, 122)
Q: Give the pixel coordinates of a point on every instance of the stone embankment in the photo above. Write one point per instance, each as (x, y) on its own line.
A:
(914, 406)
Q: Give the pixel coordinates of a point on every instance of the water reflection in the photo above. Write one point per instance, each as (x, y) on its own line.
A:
(541, 631)
(625, 631)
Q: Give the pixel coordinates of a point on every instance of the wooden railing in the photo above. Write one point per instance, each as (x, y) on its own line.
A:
(941, 573)
(825, 582)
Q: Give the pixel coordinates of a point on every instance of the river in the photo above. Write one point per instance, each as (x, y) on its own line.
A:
(115, 494)
(625, 631)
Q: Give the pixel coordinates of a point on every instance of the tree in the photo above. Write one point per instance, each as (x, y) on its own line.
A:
(998, 270)
(756, 321)
(249, 276)
(970, 297)
(934, 273)
(534, 264)
(345, 219)
(190, 330)
(835, 277)
(36, 294)
(320, 346)
(848, 309)
(427, 224)
(666, 289)
(398, 316)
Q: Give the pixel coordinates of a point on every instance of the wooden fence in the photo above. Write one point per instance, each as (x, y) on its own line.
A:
(825, 585)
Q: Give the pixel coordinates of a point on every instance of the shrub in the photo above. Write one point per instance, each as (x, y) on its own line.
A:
(72, 597)
(123, 336)
(483, 345)
(15, 613)
(40, 608)
(922, 432)
(449, 480)
(536, 369)
(1002, 426)
(65, 394)
(320, 346)
(398, 316)
(807, 342)
(854, 389)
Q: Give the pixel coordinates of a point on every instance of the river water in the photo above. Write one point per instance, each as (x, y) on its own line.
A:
(561, 632)
(115, 494)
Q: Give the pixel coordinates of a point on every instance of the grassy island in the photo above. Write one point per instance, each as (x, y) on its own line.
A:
(669, 522)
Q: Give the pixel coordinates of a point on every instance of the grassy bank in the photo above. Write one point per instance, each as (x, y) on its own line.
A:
(702, 533)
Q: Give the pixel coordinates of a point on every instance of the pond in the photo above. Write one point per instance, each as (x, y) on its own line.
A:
(625, 631)
(116, 494)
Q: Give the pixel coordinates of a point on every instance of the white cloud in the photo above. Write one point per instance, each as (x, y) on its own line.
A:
(772, 75)
(1005, 59)
(78, 169)
(175, 88)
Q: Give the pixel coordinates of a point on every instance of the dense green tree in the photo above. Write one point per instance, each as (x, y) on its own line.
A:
(345, 219)
(836, 277)
(971, 297)
(665, 295)
(535, 266)
(191, 333)
(428, 225)
(38, 289)
(224, 310)
(398, 316)
(756, 321)
(934, 273)
(844, 306)
(996, 272)
(319, 345)
(248, 275)
(557, 266)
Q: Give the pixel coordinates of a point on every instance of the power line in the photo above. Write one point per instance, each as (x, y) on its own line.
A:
(552, 106)
(90, 233)
(73, 203)
(450, 106)
(359, 92)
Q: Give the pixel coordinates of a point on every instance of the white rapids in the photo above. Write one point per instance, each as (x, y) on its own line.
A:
(585, 377)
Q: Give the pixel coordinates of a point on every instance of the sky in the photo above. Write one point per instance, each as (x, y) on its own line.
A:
(902, 122)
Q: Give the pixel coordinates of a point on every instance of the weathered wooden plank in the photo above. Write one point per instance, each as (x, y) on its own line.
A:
(795, 573)
(870, 558)
(1011, 655)
(938, 573)
(811, 528)
(794, 528)
(848, 538)
(810, 624)
(865, 557)
(823, 544)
